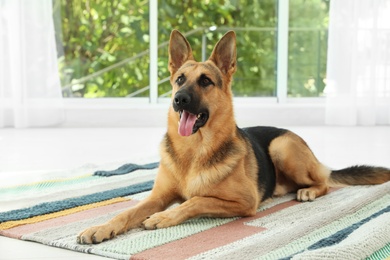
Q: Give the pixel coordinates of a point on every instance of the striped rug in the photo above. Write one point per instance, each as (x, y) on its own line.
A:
(348, 223)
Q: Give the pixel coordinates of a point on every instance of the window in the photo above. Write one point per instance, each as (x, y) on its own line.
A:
(100, 39)
(255, 27)
(308, 28)
(105, 44)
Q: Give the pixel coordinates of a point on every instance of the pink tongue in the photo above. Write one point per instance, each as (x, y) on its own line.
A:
(186, 123)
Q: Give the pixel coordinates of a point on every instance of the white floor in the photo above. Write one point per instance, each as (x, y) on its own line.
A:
(34, 151)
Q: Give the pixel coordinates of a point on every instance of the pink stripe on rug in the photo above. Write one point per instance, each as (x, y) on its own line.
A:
(18, 232)
(210, 239)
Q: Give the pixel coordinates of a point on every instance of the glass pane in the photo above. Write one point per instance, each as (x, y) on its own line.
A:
(308, 36)
(254, 23)
(98, 39)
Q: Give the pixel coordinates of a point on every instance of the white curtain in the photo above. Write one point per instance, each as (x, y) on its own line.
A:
(358, 68)
(30, 90)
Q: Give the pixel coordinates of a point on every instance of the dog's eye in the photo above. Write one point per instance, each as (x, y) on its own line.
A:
(180, 80)
(205, 81)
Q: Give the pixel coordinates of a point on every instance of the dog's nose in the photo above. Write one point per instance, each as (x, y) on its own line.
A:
(182, 99)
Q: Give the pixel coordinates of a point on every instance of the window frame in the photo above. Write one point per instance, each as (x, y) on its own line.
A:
(306, 107)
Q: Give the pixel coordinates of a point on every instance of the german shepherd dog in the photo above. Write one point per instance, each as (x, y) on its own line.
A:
(212, 167)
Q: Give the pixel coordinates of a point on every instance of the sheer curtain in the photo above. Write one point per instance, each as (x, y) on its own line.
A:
(30, 90)
(358, 70)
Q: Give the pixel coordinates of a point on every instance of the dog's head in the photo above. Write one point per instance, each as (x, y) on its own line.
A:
(199, 89)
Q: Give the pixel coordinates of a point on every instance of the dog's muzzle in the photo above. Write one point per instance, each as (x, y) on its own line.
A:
(192, 117)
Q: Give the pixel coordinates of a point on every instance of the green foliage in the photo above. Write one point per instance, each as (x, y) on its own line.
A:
(98, 34)
(256, 49)
(307, 47)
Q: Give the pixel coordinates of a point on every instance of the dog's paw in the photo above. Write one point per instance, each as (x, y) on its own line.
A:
(161, 220)
(96, 235)
(306, 194)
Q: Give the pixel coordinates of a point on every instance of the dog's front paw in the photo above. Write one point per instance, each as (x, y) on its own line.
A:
(161, 220)
(96, 235)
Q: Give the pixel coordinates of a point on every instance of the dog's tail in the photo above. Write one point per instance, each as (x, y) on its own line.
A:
(359, 175)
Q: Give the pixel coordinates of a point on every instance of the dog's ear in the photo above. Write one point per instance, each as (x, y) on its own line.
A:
(179, 51)
(224, 54)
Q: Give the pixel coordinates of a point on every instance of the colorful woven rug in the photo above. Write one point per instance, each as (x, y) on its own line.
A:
(348, 223)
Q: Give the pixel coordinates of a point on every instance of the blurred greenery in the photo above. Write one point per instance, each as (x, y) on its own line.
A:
(308, 38)
(101, 33)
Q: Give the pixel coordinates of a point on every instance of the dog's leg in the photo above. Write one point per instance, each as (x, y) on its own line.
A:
(312, 192)
(161, 197)
(297, 168)
(123, 222)
(199, 207)
(314, 181)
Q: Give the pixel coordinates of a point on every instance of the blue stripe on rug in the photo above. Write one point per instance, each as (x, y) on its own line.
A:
(55, 206)
(127, 168)
(341, 234)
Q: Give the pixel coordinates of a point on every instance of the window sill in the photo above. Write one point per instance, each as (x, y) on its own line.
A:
(138, 112)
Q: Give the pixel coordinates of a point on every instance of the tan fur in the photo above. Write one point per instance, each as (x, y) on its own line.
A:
(297, 168)
(213, 172)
